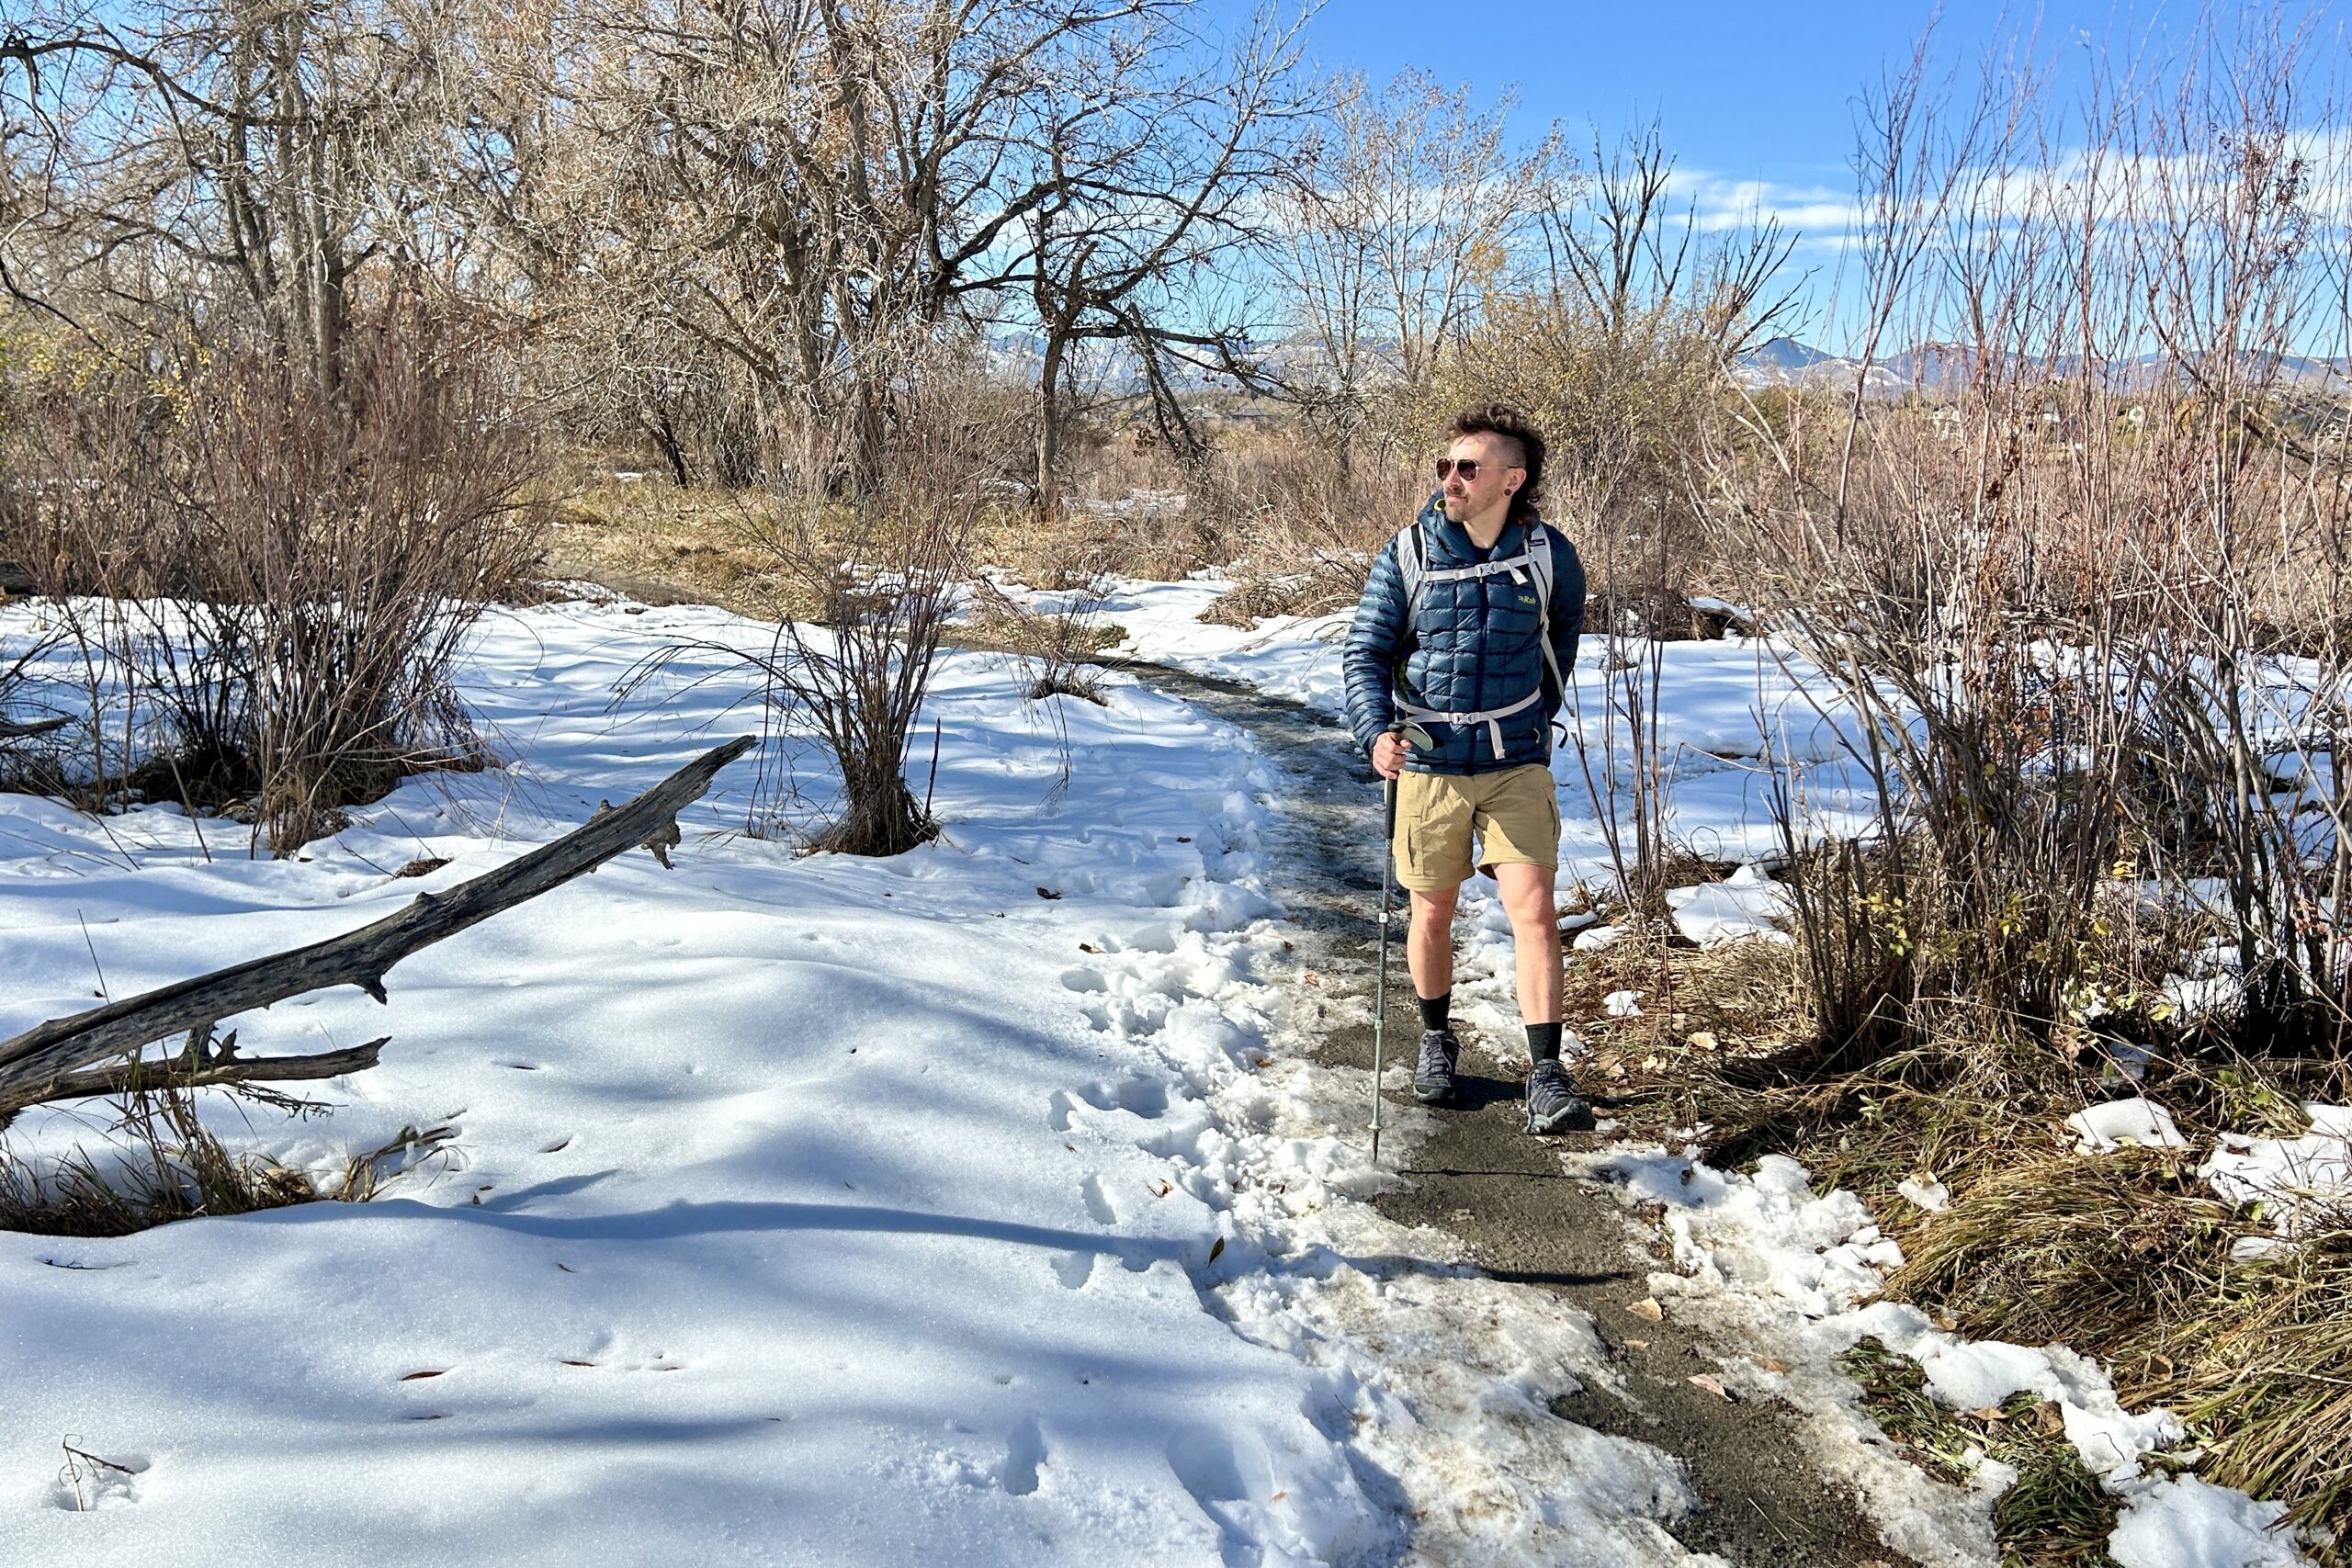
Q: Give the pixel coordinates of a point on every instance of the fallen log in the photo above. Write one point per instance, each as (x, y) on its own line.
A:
(54, 1060)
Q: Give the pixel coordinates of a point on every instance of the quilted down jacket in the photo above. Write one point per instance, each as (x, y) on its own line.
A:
(1473, 648)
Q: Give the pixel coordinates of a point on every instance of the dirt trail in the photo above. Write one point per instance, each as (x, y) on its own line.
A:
(1503, 1194)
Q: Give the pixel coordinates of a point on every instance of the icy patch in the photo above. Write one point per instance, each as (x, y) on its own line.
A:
(2297, 1181)
(1746, 904)
(2135, 1123)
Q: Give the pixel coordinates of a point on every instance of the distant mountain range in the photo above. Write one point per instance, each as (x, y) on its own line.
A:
(1936, 369)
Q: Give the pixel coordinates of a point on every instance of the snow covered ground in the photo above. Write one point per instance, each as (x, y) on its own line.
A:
(961, 1207)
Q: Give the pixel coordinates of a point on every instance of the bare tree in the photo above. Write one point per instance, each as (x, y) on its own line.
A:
(1160, 165)
(1413, 211)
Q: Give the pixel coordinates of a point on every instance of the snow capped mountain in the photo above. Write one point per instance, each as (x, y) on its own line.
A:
(1784, 362)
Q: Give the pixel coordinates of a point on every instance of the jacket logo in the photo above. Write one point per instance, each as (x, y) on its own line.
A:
(1527, 598)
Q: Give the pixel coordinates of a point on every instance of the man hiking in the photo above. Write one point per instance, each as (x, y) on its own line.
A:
(1467, 628)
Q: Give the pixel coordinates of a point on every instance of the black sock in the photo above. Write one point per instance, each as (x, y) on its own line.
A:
(1435, 1009)
(1543, 1042)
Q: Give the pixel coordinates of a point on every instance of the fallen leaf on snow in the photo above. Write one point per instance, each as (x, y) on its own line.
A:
(1709, 1382)
(1647, 1307)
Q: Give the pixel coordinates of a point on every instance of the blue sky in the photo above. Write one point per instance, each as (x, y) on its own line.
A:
(1743, 89)
(1758, 99)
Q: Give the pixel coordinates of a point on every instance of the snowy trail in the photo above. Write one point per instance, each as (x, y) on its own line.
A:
(1473, 1173)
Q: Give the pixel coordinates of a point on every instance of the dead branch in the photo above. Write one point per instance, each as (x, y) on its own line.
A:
(23, 729)
(40, 1063)
(214, 1068)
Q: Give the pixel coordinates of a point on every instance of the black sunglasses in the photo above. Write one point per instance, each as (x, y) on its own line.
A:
(1466, 467)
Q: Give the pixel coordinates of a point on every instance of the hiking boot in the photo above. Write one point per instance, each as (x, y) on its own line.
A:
(1553, 1103)
(1433, 1079)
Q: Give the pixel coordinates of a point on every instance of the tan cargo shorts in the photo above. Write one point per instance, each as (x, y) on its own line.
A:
(1514, 815)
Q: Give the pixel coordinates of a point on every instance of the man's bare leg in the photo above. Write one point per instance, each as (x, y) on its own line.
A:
(1553, 1103)
(1534, 939)
(1429, 953)
(1428, 944)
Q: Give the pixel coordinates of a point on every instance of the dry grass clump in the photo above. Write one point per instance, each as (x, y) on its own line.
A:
(170, 1167)
(650, 535)
(2265, 1375)
(2115, 1255)
(1708, 1016)
(2127, 1256)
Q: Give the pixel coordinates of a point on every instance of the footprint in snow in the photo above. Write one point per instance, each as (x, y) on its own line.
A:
(1098, 1202)
(1024, 1451)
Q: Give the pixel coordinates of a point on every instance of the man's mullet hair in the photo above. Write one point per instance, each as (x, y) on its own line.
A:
(1501, 419)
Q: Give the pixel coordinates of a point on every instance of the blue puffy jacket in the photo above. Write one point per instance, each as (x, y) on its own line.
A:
(1473, 648)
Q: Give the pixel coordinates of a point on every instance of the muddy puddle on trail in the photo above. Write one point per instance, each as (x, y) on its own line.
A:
(1476, 1175)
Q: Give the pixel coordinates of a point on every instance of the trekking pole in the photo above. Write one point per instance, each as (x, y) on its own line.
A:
(1380, 1003)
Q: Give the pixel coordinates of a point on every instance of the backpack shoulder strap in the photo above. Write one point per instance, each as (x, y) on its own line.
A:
(1412, 569)
(1412, 560)
(1539, 558)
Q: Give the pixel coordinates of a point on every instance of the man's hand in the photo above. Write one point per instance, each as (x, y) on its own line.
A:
(1388, 754)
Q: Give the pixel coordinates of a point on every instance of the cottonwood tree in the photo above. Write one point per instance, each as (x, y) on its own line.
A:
(1156, 167)
(224, 163)
(805, 192)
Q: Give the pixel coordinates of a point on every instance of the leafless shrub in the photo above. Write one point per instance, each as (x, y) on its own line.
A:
(875, 580)
(1057, 635)
(280, 574)
(1301, 529)
(2077, 593)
